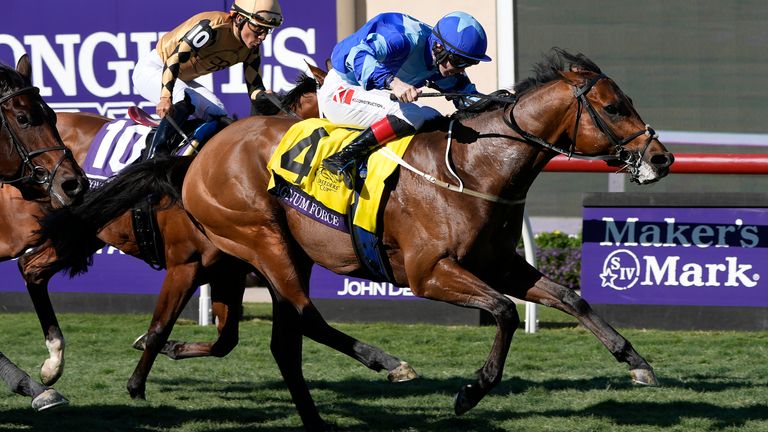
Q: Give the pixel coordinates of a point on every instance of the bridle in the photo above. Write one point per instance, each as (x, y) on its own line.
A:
(632, 160)
(36, 173)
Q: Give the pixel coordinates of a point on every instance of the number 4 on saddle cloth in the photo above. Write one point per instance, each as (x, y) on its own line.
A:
(301, 182)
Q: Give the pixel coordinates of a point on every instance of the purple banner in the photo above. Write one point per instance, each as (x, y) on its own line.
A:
(83, 51)
(325, 284)
(675, 256)
(113, 272)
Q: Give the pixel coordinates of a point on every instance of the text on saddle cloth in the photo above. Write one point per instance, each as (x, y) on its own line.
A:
(297, 161)
(117, 144)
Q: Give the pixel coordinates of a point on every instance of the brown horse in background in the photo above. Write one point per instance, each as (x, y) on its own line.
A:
(191, 260)
(39, 167)
(34, 159)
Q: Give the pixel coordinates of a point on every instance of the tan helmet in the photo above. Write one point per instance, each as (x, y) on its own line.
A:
(265, 13)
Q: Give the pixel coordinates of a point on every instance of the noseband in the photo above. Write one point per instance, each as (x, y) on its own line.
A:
(37, 174)
(631, 159)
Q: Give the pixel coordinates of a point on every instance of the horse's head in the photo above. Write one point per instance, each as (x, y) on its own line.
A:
(599, 120)
(33, 157)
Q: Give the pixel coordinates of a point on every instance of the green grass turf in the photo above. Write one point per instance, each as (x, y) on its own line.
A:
(559, 379)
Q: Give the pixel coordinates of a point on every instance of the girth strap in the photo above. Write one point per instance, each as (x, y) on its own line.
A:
(147, 233)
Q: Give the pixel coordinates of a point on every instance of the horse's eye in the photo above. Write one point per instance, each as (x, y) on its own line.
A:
(22, 119)
(611, 109)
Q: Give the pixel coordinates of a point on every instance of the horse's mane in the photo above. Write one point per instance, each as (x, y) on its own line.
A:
(549, 69)
(557, 61)
(10, 79)
(304, 84)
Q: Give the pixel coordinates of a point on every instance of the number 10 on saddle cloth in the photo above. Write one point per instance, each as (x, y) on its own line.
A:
(296, 165)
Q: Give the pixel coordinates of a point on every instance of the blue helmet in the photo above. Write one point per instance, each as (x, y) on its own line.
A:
(461, 34)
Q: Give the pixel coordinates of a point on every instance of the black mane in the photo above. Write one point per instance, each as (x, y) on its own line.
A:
(304, 84)
(547, 70)
(10, 80)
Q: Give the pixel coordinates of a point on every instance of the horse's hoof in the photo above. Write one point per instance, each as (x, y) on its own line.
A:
(140, 343)
(644, 377)
(319, 426)
(402, 373)
(462, 402)
(137, 393)
(48, 399)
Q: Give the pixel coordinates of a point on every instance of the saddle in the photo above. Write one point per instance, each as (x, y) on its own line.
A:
(299, 181)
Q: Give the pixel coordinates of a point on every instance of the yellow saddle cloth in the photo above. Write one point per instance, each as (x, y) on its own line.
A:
(298, 158)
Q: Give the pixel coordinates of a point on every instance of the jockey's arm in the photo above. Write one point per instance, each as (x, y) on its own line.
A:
(370, 58)
(252, 77)
(181, 54)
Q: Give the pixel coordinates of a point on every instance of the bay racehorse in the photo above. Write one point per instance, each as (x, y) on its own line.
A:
(39, 167)
(447, 246)
(444, 245)
(190, 259)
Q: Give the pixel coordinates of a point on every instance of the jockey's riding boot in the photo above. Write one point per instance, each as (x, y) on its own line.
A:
(345, 161)
(161, 143)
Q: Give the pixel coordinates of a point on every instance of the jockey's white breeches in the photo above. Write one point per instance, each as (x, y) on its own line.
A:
(345, 103)
(148, 78)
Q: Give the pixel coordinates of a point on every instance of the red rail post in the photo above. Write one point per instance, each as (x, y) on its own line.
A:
(685, 163)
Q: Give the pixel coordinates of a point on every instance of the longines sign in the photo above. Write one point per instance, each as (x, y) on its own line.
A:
(83, 51)
(675, 256)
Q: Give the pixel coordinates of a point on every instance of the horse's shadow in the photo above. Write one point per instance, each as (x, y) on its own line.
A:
(486, 416)
(377, 416)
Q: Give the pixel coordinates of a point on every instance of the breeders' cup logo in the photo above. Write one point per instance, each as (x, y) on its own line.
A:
(621, 270)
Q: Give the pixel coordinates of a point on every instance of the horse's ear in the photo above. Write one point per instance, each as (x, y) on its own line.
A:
(318, 73)
(25, 68)
(576, 68)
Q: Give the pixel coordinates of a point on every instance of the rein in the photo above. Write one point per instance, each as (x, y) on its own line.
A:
(389, 154)
(37, 174)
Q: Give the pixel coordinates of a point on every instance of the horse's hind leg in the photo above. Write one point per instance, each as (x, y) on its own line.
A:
(532, 286)
(274, 255)
(316, 328)
(178, 287)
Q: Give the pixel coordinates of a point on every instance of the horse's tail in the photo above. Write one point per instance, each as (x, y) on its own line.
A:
(72, 230)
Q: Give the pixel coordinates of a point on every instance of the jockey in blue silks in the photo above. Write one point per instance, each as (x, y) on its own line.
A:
(396, 54)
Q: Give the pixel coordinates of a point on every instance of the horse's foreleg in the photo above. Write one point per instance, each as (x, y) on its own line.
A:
(174, 295)
(36, 278)
(449, 282)
(316, 328)
(227, 289)
(538, 289)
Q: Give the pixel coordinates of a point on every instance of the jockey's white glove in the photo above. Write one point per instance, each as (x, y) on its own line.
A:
(404, 91)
